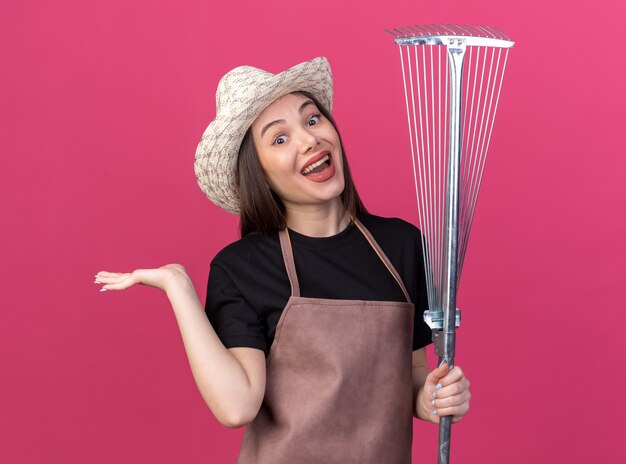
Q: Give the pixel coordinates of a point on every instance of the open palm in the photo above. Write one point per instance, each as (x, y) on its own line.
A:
(158, 278)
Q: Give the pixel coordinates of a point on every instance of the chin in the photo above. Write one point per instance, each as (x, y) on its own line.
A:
(332, 191)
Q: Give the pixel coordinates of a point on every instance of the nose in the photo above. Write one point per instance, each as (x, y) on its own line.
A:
(307, 140)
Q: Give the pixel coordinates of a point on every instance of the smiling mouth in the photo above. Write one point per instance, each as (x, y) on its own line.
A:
(318, 166)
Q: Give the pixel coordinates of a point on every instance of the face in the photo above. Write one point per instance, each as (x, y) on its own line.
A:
(300, 152)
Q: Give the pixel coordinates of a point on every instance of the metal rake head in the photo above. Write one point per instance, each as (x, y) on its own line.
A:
(452, 89)
(449, 34)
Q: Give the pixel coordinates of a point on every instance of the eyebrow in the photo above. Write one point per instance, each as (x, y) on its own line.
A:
(278, 121)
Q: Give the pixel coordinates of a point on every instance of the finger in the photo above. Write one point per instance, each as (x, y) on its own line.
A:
(454, 375)
(111, 279)
(456, 400)
(454, 389)
(459, 410)
(121, 284)
(436, 374)
(106, 274)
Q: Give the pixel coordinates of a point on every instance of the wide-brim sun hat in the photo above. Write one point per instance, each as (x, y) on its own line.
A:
(242, 95)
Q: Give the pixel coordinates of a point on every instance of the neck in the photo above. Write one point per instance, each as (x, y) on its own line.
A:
(317, 220)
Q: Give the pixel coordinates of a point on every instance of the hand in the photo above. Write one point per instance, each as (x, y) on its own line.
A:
(162, 277)
(446, 392)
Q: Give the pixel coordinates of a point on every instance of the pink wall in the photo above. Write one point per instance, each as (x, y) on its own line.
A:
(103, 104)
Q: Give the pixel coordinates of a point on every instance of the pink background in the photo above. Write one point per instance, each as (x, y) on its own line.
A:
(102, 106)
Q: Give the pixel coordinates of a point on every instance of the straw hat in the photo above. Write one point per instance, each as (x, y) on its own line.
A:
(242, 94)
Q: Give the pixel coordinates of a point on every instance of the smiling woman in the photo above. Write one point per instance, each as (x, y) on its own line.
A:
(281, 143)
(262, 199)
(312, 333)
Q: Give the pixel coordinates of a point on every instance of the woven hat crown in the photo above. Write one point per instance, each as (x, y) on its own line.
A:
(236, 84)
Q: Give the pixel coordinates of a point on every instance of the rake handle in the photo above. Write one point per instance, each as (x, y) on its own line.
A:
(456, 53)
(445, 426)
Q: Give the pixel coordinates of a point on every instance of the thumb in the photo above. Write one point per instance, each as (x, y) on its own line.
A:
(437, 373)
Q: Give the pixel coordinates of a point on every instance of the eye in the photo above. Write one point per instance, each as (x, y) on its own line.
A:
(280, 140)
(314, 119)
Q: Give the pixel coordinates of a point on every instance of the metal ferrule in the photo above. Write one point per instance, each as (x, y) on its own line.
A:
(434, 319)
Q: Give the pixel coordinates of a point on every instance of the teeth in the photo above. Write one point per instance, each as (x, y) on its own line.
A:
(316, 164)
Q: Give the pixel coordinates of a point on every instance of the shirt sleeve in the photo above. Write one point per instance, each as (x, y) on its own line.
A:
(422, 334)
(236, 323)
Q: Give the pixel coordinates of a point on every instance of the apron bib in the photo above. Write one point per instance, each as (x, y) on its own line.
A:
(339, 380)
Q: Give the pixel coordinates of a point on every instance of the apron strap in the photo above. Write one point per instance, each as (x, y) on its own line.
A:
(383, 257)
(285, 246)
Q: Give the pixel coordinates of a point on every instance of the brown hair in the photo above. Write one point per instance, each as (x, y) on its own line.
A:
(261, 209)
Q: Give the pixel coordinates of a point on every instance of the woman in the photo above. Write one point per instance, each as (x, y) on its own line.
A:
(312, 338)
